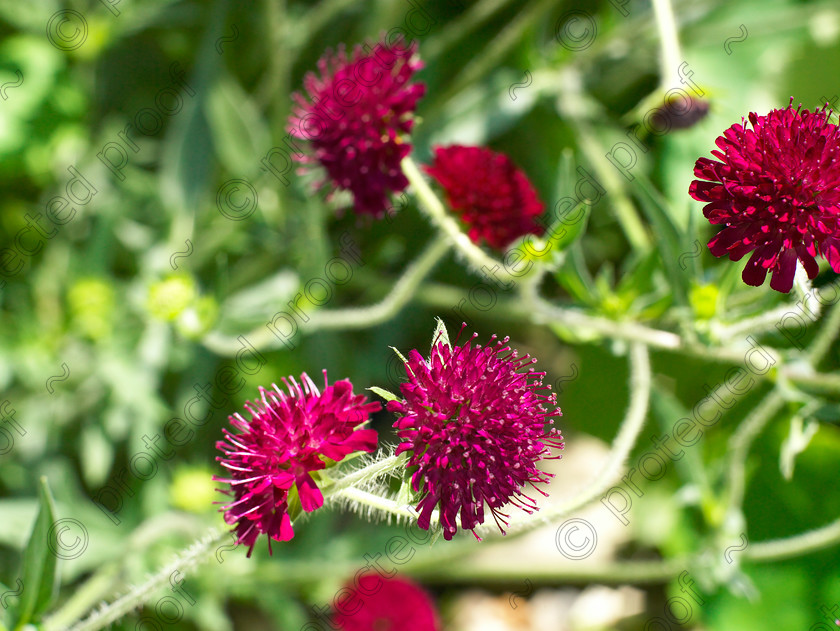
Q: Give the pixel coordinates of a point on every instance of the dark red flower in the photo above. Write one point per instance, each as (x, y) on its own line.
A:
(287, 438)
(397, 604)
(776, 188)
(670, 116)
(492, 196)
(357, 117)
(474, 427)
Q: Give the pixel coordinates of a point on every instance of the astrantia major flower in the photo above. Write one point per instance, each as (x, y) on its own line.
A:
(492, 196)
(395, 604)
(288, 437)
(775, 189)
(357, 117)
(474, 426)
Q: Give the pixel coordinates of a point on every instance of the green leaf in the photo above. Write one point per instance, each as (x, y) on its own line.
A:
(797, 441)
(563, 232)
(575, 278)
(385, 394)
(670, 242)
(399, 354)
(186, 162)
(293, 506)
(187, 159)
(405, 493)
(239, 132)
(39, 562)
(440, 334)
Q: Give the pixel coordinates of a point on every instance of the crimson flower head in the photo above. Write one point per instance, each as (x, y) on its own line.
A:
(776, 190)
(357, 116)
(398, 604)
(492, 196)
(288, 437)
(474, 426)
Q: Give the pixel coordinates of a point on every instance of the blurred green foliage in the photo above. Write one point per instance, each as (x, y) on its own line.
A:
(115, 297)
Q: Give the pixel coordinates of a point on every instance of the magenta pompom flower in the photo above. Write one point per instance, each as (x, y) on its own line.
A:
(394, 604)
(474, 426)
(775, 189)
(288, 438)
(357, 117)
(492, 196)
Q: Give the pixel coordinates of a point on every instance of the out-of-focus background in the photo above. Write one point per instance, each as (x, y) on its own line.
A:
(147, 126)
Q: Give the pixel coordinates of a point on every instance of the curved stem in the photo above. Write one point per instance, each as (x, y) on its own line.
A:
(823, 382)
(350, 318)
(742, 439)
(363, 317)
(541, 310)
(805, 543)
(447, 225)
(196, 553)
(827, 332)
(758, 324)
(137, 596)
(630, 331)
(106, 579)
(771, 319)
(631, 427)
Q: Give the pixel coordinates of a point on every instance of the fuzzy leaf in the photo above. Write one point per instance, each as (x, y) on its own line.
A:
(440, 330)
(385, 394)
(399, 354)
(405, 493)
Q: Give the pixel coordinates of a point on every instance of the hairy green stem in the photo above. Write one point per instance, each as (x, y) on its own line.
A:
(380, 503)
(197, 552)
(758, 324)
(373, 470)
(106, 579)
(542, 311)
(364, 317)
(137, 596)
(436, 212)
(797, 545)
(573, 318)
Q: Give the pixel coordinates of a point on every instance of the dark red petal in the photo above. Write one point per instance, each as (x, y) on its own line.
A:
(783, 273)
